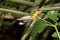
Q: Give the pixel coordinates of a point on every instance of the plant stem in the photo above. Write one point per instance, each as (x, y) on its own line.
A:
(57, 31)
(28, 31)
(14, 11)
(44, 20)
(50, 8)
(55, 26)
(23, 2)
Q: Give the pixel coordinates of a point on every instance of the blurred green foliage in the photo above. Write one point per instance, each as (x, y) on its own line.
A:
(50, 11)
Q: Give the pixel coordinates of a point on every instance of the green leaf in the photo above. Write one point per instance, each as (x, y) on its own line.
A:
(52, 15)
(39, 26)
(55, 35)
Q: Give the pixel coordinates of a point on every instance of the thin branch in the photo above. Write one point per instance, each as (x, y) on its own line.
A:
(44, 20)
(14, 11)
(57, 32)
(23, 2)
(28, 31)
(50, 8)
(55, 26)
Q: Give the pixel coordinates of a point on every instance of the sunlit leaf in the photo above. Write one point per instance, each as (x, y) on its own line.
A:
(55, 35)
(38, 27)
(52, 15)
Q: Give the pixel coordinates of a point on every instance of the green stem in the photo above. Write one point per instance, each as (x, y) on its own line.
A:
(50, 8)
(44, 20)
(57, 31)
(28, 31)
(14, 11)
(53, 26)
(23, 2)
